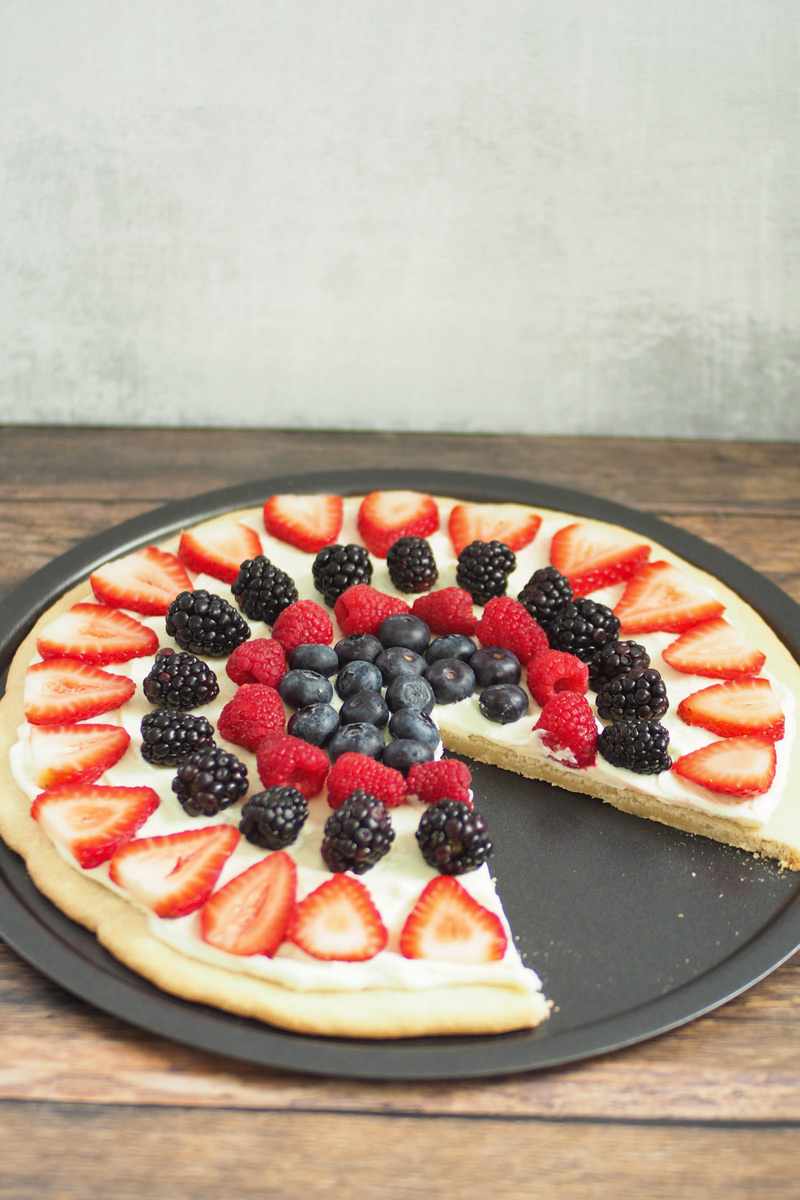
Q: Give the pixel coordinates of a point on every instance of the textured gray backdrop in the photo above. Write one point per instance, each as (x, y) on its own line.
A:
(565, 216)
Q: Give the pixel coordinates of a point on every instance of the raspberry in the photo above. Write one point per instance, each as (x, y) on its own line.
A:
(448, 610)
(352, 771)
(254, 711)
(569, 728)
(303, 622)
(261, 661)
(555, 671)
(507, 623)
(362, 608)
(286, 761)
(446, 779)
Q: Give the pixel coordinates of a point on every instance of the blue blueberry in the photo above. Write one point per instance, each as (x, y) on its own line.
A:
(403, 753)
(493, 664)
(362, 738)
(411, 723)
(503, 703)
(314, 657)
(410, 691)
(398, 660)
(358, 675)
(316, 723)
(451, 680)
(300, 688)
(358, 647)
(365, 706)
(451, 645)
(404, 629)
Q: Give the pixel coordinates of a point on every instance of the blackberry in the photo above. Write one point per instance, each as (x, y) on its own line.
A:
(640, 695)
(582, 627)
(336, 568)
(357, 834)
(263, 590)
(545, 593)
(453, 837)
(483, 570)
(206, 624)
(639, 746)
(274, 818)
(411, 564)
(209, 780)
(180, 681)
(616, 658)
(169, 737)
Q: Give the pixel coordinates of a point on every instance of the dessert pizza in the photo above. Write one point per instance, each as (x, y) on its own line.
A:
(231, 754)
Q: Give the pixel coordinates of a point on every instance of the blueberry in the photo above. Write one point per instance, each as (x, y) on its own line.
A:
(411, 723)
(300, 688)
(316, 723)
(451, 645)
(365, 706)
(398, 660)
(451, 680)
(314, 657)
(410, 691)
(493, 664)
(403, 753)
(362, 738)
(404, 629)
(359, 647)
(358, 675)
(503, 702)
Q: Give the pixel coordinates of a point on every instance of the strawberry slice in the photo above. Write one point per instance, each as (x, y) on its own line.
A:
(59, 691)
(146, 581)
(734, 707)
(174, 874)
(338, 921)
(592, 557)
(250, 915)
(93, 821)
(307, 522)
(74, 753)
(659, 596)
(97, 634)
(448, 924)
(714, 648)
(219, 547)
(513, 524)
(739, 767)
(383, 517)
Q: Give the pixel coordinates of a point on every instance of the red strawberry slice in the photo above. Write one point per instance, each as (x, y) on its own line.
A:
(93, 821)
(448, 924)
(735, 707)
(338, 921)
(146, 581)
(75, 753)
(219, 547)
(250, 915)
(659, 596)
(738, 767)
(59, 691)
(97, 634)
(383, 517)
(513, 524)
(593, 557)
(714, 648)
(307, 522)
(174, 874)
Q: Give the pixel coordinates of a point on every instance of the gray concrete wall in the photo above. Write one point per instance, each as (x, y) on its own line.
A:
(565, 216)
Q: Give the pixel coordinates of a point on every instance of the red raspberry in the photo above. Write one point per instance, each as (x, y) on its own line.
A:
(362, 608)
(570, 729)
(254, 711)
(448, 610)
(555, 671)
(286, 761)
(507, 623)
(446, 779)
(352, 771)
(303, 623)
(262, 660)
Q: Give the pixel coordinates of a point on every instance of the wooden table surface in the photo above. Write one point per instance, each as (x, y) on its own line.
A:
(91, 1107)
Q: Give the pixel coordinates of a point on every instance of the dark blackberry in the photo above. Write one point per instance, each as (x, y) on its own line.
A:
(336, 568)
(545, 593)
(210, 780)
(616, 658)
(582, 627)
(639, 695)
(453, 837)
(206, 624)
(357, 834)
(263, 590)
(484, 568)
(169, 737)
(274, 818)
(639, 746)
(179, 680)
(411, 564)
